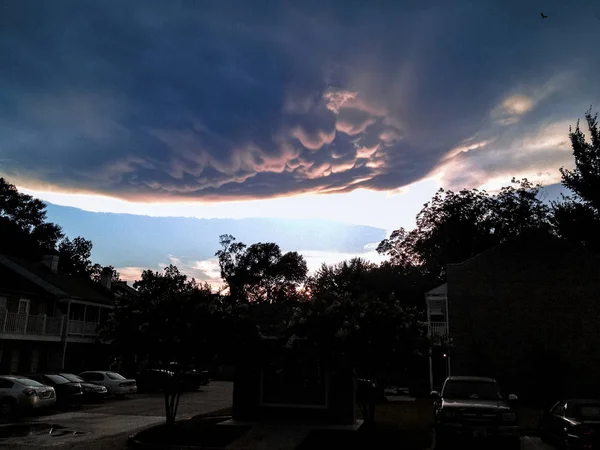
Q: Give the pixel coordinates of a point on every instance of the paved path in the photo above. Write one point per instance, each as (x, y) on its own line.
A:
(107, 426)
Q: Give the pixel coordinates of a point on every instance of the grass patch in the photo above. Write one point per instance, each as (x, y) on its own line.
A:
(405, 425)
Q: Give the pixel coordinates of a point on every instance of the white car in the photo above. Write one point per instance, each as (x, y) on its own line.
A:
(116, 384)
(19, 394)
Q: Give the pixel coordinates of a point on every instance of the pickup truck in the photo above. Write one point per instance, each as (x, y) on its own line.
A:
(474, 408)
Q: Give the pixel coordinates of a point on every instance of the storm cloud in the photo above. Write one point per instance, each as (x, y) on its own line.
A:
(218, 100)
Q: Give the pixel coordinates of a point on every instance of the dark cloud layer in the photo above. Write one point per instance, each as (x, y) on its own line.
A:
(223, 99)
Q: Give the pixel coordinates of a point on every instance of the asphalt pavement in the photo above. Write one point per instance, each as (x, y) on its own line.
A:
(108, 425)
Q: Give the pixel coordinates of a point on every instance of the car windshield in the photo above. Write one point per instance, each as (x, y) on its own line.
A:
(28, 382)
(471, 389)
(114, 376)
(587, 412)
(57, 379)
(73, 378)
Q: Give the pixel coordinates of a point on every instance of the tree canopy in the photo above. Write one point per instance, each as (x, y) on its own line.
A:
(455, 226)
(584, 179)
(260, 272)
(23, 225)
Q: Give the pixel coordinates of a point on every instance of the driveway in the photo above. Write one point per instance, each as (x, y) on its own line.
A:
(108, 425)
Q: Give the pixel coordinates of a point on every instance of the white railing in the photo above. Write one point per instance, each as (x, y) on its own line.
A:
(438, 329)
(14, 323)
(81, 328)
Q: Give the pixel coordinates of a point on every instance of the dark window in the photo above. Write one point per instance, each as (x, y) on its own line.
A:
(471, 389)
(586, 412)
(92, 376)
(114, 376)
(6, 384)
(559, 409)
(73, 378)
(55, 379)
(29, 382)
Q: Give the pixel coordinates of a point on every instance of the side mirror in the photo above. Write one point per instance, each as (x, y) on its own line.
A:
(435, 395)
(512, 398)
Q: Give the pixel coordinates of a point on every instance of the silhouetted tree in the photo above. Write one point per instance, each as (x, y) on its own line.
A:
(372, 334)
(170, 320)
(454, 227)
(74, 257)
(577, 222)
(259, 272)
(96, 273)
(23, 225)
(584, 180)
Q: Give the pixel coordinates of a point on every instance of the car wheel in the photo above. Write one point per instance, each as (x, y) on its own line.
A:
(7, 408)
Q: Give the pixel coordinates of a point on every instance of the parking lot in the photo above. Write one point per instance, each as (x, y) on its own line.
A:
(107, 425)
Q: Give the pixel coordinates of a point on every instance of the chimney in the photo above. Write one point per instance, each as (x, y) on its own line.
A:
(106, 277)
(51, 262)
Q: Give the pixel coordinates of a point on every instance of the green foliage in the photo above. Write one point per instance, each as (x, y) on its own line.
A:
(23, 225)
(260, 272)
(456, 226)
(577, 222)
(584, 180)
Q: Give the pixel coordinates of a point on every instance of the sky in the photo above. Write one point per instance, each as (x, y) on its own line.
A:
(338, 113)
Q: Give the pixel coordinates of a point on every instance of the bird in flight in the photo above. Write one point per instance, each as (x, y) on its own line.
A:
(544, 16)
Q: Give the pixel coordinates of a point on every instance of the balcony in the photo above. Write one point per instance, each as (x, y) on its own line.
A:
(81, 328)
(30, 325)
(42, 327)
(438, 329)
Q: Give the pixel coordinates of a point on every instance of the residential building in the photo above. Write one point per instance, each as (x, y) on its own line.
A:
(526, 313)
(48, 319)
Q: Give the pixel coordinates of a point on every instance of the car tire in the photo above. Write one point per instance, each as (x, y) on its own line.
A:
(7, 408)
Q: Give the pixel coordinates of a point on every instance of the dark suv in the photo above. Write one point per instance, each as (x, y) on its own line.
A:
(473, 407)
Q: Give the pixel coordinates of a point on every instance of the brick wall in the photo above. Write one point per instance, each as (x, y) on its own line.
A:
(528, 313)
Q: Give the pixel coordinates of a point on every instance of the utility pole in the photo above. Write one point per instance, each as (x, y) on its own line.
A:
(65, 333)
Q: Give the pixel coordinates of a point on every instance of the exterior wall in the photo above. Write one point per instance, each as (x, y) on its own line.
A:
(527, 313)
(27, 356)
(247, 405)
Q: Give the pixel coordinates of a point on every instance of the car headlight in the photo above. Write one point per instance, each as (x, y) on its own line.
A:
(101, 389)
(509, 417)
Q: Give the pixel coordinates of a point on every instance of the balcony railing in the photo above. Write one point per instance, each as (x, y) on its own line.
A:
(438, 329)
(81, 328)
(14, 323)
(42, 325)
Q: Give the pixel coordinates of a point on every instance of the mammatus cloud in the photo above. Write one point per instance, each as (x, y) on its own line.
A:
(209, 101)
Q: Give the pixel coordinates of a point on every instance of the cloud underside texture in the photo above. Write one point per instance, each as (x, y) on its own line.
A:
(230, 100)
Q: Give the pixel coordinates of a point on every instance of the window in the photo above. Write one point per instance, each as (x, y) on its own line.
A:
(72, 378)
(559, 409)
(471, 389)
(586, 412)
(29, 382)
(92, 376)
(6, 384)
(23, 306)
(55, 379)
(114, 376)
(3, 303)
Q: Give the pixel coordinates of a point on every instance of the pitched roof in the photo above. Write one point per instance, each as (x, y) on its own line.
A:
(531, 240)
(13, 283)
(57, 284)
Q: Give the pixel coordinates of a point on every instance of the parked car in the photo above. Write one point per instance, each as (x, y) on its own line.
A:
(67, 392)
(153, 379)
(19, 394)
(91, 392)
(192, 377)
(474, 407)
(116, 384)
(573, 424)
